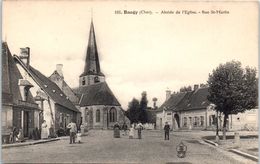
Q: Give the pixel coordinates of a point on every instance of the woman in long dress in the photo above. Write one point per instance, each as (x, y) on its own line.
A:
(44, 133)
(131, 132)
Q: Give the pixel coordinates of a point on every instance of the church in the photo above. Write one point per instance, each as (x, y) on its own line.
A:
(99, 107)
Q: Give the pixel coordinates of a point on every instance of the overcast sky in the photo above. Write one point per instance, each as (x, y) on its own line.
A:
(137, 52)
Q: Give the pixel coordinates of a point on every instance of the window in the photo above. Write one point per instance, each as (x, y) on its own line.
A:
(97, 115)
(201, 120)
(212, 120)
(196, 121)
(96, 79)
(60, 118)
(86, 115)
(83, 81)
(4, 118)
(112, 115)
(185, 122)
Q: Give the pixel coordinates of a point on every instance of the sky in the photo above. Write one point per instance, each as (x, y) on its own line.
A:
(137, 52)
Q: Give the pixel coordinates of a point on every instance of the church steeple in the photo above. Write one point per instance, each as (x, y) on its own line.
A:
(92, 72)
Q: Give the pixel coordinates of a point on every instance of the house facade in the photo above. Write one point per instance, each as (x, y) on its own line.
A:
(191, 110)
(19, 109)
(98, 105)
(57, 109)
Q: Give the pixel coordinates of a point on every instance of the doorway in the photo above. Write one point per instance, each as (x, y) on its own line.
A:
(160, 123)
(177, 119)
(26, 124)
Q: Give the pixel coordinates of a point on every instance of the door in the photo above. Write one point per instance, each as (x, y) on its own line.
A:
(26, 124)
(160, 123)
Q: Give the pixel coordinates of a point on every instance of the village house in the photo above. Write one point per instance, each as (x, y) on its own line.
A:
(58, 110)
(19, 109)
(191, 110)
(99, 107)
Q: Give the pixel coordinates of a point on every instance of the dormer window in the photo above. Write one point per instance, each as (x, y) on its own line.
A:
(24, 86)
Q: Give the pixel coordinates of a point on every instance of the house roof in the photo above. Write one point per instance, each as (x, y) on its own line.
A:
(96, 94)
(52, 90)
(65, 87)
(190, 100)
(172, 101)
(10, 77)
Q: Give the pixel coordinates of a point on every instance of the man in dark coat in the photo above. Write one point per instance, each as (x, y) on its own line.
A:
(166, 131)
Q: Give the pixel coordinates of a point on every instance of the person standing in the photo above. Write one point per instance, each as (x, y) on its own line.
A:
(73, 129)
(124, 127)
(131, 132)
(116, 130)
(44, 132)
(166, 131)
(139, 130)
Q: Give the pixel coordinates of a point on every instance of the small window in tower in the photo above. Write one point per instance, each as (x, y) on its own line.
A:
(96, 79)
(83, 81)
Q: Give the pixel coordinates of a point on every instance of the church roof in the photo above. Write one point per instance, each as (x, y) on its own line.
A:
(49, 87)
(92, 66)
(96, 94)
(10, 77)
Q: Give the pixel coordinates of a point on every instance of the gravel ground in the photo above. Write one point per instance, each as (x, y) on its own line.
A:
(101, 147)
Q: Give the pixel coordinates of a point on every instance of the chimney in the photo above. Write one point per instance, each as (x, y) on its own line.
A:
(196, 86)
(25, 56)
(168, 94)
(59, 69)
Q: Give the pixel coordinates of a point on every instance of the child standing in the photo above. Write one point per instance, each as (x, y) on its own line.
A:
(78, 139)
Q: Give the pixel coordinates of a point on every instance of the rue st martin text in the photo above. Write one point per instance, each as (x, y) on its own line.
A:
(177, 12)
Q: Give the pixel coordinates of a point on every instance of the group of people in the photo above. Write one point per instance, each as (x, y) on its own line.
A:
(132, 129)
(75, 134)
(139, 127)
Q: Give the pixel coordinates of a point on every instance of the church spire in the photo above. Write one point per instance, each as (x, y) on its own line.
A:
(92, 66)
(92, 73)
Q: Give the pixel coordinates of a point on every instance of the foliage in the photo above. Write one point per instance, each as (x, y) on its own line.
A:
(233, 89)
(133, 111)
(143, 107)
(137, 110)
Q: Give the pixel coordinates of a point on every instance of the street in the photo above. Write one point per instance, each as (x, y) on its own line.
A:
(100, 147)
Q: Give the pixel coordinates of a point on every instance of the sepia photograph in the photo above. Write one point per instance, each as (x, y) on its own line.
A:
(134, 81)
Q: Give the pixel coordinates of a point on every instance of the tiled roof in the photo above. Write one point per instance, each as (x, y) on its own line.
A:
(172, 101)
(10, 76)
(191, 100)
(52, 90)
(65, 88)
(96, 94)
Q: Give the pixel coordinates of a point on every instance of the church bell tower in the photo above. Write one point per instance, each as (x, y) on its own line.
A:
(92, 73)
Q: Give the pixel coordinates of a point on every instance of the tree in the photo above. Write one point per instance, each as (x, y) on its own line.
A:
(232, 89)
(154, 102)
(133, 111)
(143, 107)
